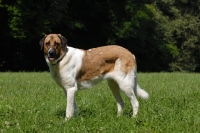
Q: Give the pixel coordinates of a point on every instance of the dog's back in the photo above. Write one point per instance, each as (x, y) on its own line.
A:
(102, 60)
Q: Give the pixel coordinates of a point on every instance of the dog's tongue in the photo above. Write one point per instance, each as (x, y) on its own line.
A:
(51, 59)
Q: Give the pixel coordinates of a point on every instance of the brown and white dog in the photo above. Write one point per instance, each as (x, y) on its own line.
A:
(74, 69)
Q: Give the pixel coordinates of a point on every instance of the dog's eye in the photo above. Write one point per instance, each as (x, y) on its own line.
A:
(57, 44)
(47, 44)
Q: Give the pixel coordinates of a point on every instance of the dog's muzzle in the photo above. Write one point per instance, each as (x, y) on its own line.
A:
(51, 54)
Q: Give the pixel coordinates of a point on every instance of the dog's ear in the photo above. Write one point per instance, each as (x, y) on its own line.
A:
(63, 40)
(42, 42)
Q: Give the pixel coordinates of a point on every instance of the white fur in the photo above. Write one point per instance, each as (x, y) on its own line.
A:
(65, 72)
(90, 83)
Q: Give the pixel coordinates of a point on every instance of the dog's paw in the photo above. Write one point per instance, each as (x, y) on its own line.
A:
(67, 118)
(119, 113)
(134, 116)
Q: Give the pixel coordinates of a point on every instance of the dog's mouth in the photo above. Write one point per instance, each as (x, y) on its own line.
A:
(51, 59)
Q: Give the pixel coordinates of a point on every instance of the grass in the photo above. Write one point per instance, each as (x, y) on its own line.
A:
(32, 102)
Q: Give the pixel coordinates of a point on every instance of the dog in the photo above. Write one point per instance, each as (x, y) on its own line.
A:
(75, 69)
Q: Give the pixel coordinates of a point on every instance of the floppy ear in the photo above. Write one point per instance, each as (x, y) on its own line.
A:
(63, 40)
(42, 42)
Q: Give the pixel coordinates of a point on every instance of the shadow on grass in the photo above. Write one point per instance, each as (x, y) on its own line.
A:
(127, 113)
(60, 113)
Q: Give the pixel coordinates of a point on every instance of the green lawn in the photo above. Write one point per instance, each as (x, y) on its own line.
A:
(32, 102)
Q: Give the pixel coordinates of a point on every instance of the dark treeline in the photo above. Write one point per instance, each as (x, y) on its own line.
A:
(163, 34)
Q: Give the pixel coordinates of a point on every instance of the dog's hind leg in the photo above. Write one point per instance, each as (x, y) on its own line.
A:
(128, 90)
(116, 92)
(128, 84)
(134, 102)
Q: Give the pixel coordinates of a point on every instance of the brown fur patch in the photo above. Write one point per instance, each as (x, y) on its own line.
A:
(101, 60)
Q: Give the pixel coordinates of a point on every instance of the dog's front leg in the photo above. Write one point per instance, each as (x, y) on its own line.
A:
(71, 104)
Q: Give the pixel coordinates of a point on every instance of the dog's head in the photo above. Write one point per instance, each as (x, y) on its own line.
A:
(54, 45)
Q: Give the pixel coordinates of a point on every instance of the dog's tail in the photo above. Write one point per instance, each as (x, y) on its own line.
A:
(141, 93)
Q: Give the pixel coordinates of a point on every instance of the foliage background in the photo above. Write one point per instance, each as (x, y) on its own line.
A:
(163, 34)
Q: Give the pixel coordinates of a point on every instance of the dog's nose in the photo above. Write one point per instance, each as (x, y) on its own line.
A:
(51, 52)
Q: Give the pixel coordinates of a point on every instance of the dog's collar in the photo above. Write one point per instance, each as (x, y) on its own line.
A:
(61, 57)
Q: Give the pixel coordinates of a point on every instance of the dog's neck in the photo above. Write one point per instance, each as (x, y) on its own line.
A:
(61, 57)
